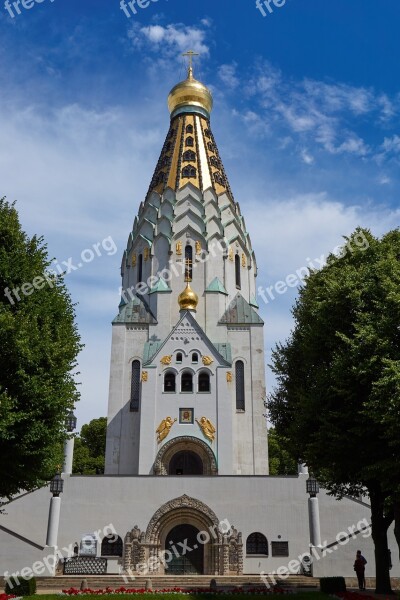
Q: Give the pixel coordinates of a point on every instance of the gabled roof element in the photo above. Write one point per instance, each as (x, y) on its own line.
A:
(135, 311)
(240, 312)
(187, 328)
(216, 287)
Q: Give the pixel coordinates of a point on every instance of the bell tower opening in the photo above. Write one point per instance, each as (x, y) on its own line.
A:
(186, 462)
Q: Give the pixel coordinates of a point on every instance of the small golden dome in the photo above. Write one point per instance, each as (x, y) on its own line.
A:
(188, 299)
(190, 92)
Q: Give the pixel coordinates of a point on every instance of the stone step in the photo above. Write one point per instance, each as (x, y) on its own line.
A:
(169, 581)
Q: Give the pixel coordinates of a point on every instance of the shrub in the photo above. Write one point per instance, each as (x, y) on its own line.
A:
(21, 587)
(331, 585)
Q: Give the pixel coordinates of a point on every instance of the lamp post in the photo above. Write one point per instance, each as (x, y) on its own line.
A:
(312, 488)
(56, 488)
(70, 426)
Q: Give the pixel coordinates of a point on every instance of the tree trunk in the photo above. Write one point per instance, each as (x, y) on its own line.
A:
(380, 525)
(396, 507)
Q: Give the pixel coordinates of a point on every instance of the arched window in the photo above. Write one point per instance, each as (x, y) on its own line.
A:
(214, 161)
(135, 386)
(189, 128)
(207, 133)
(188, 263)
(210, 146)
(169, 382)
(257, 544)
(189, 171)
(167, 147)
(187, 382)
(189, 155)
(218, 178)
(195, 357)
(179, 357)
(237, 271)
(140, 269)
(204, 382)
(189, 142)
(111, 545)
(240, 390)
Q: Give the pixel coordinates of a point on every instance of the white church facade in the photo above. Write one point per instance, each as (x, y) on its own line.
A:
(186, 489)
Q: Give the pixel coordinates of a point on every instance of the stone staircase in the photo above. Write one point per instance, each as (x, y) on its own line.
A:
(158, 582)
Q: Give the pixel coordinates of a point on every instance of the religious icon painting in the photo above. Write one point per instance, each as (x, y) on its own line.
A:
(186, 416)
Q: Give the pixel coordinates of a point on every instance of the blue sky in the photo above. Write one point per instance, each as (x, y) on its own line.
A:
(307, 105)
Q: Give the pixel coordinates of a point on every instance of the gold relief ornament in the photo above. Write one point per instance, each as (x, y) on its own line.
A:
(145, 376)
(207, 428)
(244, 261)
(133, 260)
(146, 254)
(231, 254)
(166, 360)
(207, 360)
(164, 428)
(229, 377)
(179, 248)
(198, 248)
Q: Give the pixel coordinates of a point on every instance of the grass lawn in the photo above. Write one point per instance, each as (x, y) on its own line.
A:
(205, 596)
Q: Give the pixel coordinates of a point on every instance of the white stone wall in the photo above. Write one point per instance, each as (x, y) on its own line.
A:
(274, 506)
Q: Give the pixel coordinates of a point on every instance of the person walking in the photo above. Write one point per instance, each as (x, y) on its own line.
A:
(359, 567)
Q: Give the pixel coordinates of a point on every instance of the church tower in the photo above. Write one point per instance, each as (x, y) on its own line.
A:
(187, 381)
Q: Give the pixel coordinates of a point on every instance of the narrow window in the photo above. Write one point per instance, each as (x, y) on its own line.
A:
(204, 382)
(135, 386)
(189, 128)
(179, 357)
(237, 271)
(169, 382)
(189, 155)
(189, 171)
(140, 269)
(257, 544)
(188, 263)
(239, 379)
(189, 142)
(187, 382)
(111, 545)
(195, 357)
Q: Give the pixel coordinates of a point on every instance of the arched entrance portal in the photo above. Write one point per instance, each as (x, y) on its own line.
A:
(187, 554)
(197, 458)
(185, 462)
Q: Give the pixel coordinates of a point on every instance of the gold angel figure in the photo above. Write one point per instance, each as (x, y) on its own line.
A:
(166, 360)
(133, 260)
(146, 253)
(179, 248)
(229, 376)
(164, 428)
(207, 360)
(207, 428)
(244, 260)
(231, 254)
(145, 376)
(198, 248)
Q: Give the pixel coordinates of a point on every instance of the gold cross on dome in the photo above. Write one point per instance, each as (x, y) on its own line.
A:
(190, 54)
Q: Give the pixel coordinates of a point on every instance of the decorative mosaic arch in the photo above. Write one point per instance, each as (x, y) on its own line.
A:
(187, 442)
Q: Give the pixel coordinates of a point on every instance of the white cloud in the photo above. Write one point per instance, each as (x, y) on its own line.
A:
(227, 74)
(171, 39)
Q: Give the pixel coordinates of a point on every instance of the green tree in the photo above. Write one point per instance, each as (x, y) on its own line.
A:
(90, 448)
(39, 345)
(280, 460)
(337, 397)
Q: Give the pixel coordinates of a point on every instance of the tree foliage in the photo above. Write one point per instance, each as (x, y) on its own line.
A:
(338, 378)
(90, 448)
(280, 460)
(39, 344)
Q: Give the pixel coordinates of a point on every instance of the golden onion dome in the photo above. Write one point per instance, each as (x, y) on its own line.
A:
(188, 299)
(190, 92)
